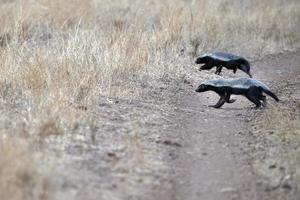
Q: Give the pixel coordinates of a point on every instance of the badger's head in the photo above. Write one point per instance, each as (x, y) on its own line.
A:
(201, 60)
(202, 88)
(244, 66)
(204, 60)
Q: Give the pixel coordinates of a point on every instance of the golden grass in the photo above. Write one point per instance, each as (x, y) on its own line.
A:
(68, 44)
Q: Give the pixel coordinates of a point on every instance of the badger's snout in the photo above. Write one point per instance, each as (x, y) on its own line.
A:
(200, 88)
(198, 61)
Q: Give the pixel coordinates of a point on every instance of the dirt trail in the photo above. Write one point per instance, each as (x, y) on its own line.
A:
(214, 162)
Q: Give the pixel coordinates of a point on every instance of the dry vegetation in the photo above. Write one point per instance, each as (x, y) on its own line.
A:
(284, 121)
(59, 57)
(278, 133)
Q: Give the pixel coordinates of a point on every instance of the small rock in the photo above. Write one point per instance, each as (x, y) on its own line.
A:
(286, 186)
(103, 104)
(247, 120)
(111, 154)
(84, 108)
(282, 168)
(186, 81)
(273, 166)
(109, 101)
(173, 156)
(169, 143)
(259, 183)
(182, 52)
(228, 189)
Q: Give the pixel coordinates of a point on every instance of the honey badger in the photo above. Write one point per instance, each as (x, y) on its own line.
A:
(219, 60)
(251, 88)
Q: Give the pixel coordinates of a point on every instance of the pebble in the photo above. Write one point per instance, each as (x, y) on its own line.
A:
(228, 189)
(286, 186)
(273, 166)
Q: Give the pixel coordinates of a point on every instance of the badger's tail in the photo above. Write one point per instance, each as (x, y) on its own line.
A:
(271, 94)
(244, 65)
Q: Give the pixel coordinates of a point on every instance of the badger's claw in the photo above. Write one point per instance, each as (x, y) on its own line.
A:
(220, 103)
(213, 106)
(231, 100)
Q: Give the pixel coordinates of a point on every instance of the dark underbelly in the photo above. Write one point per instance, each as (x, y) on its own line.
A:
(239, 91)
(224, 64)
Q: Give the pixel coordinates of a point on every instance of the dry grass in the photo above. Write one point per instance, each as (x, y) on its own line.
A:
(19, 179)
(57, 56)
(283, 118)
(282, 121)
(277, 130)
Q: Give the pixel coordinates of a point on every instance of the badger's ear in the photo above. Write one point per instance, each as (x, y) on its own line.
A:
(201, 59)
(205, 59)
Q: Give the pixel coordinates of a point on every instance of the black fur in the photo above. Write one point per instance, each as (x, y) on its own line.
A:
(253, 91)
(219, 60)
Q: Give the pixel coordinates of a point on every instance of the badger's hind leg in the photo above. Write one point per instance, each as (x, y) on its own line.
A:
(255, 100)
(254, 95)
(227, 98)
(220, 103)
(264, 100)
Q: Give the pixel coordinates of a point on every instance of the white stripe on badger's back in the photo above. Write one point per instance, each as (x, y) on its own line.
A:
(243, 83)
(222, 56)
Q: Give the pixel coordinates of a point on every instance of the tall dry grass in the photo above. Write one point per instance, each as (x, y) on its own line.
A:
(57, 56)
(19, 178)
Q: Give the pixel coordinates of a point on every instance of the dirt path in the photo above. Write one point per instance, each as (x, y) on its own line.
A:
(214, 161)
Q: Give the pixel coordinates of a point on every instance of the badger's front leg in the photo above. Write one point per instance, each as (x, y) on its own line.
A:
(220, 103)
(234, 70)
(227, 98)
(254, 95)
(219, 69)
